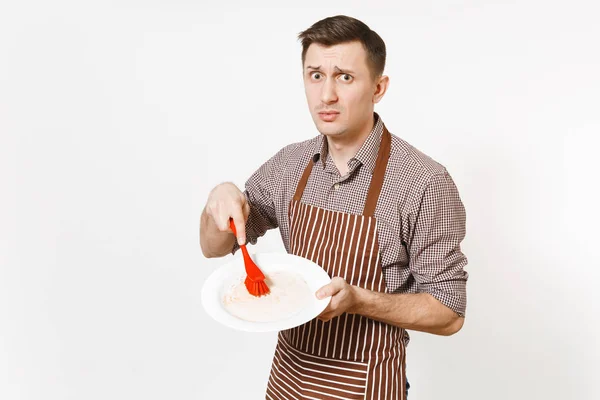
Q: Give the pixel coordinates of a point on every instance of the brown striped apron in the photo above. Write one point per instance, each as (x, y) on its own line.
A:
(350, 356)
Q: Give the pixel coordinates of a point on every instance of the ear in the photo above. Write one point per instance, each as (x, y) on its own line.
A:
(380, 88)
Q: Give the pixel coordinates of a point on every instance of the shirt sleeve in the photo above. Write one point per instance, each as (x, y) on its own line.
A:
(259, 191)
(436, 260)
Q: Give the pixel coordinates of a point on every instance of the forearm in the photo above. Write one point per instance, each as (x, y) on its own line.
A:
(213, 242)
(418, 311)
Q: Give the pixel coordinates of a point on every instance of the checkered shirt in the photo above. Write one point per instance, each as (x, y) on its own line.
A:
(420, 216)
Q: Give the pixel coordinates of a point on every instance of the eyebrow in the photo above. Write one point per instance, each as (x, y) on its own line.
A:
(337, 69)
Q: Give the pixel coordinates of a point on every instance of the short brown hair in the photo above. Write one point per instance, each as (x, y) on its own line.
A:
(342, 29)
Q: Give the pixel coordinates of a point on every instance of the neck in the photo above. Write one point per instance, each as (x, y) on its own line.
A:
(342, 149)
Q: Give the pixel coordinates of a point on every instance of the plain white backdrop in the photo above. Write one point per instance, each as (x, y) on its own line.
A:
(117, 118)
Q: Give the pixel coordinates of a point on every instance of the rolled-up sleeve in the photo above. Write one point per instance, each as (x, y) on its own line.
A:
(258, 191)
(436, 260)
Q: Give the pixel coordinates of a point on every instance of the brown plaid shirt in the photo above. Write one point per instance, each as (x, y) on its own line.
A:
(421, 219)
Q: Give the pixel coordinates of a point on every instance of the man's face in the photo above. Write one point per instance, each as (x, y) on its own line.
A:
(339, 88)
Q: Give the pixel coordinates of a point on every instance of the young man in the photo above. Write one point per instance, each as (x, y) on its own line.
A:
(386, 223)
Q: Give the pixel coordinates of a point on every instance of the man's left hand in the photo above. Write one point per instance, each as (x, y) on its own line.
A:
(343, 298)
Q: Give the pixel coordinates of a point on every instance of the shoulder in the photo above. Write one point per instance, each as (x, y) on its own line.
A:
(299, 151)
(413, 161)
(287, 162)
(289, 157)
(410, 173)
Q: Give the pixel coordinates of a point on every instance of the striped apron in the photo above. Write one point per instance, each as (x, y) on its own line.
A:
(350, 356)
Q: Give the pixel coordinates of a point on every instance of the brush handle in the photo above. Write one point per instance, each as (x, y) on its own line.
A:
(254, 273)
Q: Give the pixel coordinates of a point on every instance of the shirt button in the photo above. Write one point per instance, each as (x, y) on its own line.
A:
(336, 186)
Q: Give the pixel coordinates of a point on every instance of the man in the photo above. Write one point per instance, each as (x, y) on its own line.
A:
(386, 223)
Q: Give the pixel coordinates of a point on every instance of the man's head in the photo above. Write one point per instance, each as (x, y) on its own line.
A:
(343, 62)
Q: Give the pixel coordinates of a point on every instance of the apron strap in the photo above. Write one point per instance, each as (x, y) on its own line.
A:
(376, 181)
(378, 174)
(304, 178)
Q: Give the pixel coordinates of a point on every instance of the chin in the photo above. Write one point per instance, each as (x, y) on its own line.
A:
(329, 128)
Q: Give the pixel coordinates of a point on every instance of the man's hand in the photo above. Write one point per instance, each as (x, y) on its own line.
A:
(343, 298)
(226, 201)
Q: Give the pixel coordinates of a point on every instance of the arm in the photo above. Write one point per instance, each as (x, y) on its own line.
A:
(415, 311)
(436, 263)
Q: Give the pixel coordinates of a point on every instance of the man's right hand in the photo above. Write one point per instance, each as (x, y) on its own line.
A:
(227, 201)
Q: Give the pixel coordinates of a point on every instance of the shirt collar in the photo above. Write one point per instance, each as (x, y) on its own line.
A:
(366, 155)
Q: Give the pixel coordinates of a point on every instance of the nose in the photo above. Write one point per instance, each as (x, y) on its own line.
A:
(328, 93)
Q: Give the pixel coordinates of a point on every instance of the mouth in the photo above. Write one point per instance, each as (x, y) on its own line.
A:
(328, 116)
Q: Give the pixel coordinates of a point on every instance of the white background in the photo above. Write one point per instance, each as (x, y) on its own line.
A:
(117, 118)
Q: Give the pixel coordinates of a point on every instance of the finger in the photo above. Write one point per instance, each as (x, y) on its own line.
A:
(331, 289)
(325, 317)
(220, 218)
(328, 316)
(246, 210)
(327, 309)
(240, 225)
(323, 292)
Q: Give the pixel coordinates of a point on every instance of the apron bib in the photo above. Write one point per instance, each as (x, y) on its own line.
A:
(350, 356)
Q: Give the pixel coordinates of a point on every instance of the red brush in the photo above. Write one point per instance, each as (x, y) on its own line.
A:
(255, 279)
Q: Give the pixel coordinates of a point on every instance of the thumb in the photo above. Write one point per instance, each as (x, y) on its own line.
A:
(331, 289)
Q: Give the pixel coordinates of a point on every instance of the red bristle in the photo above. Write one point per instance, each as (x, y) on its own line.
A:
(256, 288)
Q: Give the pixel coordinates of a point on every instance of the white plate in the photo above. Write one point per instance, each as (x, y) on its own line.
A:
(213, 290)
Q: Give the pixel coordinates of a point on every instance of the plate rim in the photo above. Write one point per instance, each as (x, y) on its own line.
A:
(211, 305)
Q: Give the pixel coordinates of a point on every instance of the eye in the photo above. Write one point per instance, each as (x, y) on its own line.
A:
(315, 75)
(347, 77)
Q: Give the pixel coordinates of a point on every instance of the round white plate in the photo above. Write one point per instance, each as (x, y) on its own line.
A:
(213, 290)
